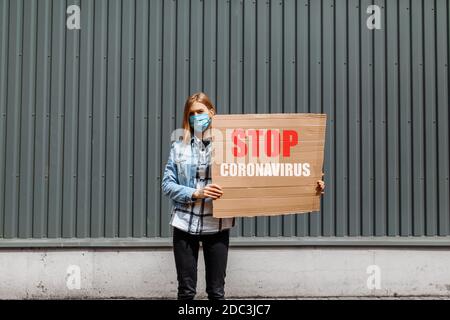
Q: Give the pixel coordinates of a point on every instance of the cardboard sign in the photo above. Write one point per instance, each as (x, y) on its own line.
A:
(267, 164)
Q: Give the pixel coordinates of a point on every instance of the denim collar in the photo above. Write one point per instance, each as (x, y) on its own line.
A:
(198, 141)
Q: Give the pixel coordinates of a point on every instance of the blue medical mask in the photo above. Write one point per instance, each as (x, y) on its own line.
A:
(199, 122)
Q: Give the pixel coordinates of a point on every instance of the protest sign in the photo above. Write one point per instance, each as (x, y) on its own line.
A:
(267, 164)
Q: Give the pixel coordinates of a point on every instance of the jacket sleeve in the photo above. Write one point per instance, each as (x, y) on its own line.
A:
(170, 185)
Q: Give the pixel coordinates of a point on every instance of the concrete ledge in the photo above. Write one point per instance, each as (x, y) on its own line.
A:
(235, 242)
(290, 272)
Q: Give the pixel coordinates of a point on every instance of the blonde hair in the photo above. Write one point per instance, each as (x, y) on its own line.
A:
(200, 97)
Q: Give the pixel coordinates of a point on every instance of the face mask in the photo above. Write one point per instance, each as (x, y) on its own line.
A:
(199, 122)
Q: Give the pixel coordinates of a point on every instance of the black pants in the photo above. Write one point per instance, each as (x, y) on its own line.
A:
(215, 252)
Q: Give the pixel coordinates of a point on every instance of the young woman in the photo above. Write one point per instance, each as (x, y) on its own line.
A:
(187, 181)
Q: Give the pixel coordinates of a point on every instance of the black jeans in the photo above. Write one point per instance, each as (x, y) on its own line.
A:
(215, 253)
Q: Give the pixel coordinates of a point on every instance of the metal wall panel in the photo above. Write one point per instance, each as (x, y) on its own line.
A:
(86, 115)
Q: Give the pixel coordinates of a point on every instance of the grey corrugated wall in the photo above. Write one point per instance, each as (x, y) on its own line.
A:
(86, 114)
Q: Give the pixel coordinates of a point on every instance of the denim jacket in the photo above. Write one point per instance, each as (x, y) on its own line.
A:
(179, 174)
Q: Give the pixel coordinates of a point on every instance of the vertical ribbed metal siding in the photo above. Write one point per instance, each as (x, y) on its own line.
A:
(86, 115)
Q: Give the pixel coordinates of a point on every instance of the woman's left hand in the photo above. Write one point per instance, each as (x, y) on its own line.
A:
(320, 186)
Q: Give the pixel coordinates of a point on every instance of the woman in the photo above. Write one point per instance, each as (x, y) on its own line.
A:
(187, 181)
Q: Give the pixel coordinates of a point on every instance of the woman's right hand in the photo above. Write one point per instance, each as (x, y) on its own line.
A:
(213, 191)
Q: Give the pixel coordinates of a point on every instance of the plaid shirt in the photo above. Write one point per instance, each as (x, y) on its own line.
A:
(194, 216)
